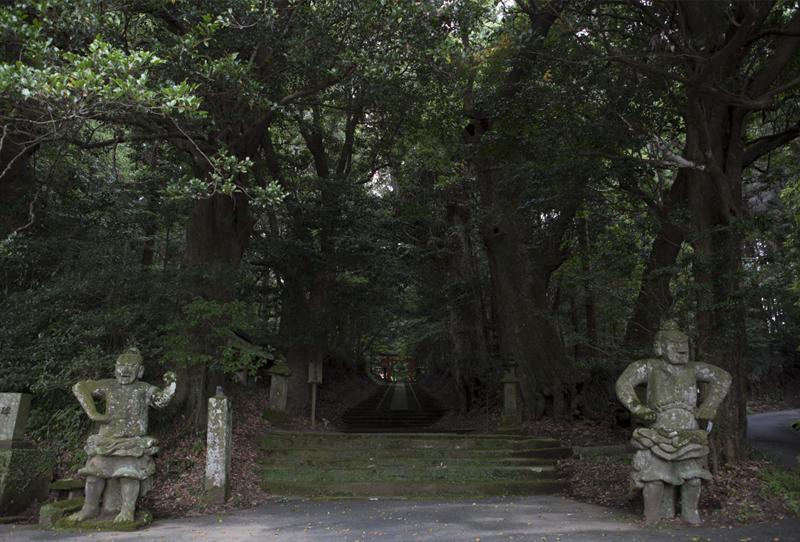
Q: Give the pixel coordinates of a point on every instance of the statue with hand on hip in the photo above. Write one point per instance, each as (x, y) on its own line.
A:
(672, 450)
(120, 462)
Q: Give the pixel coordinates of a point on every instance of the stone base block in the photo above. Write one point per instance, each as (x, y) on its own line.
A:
(25, 475)
(510, 425)
(49, 514)
(105, 522)
(216, 495)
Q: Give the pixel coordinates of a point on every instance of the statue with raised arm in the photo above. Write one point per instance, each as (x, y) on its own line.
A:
(673, 449)
(120, 460)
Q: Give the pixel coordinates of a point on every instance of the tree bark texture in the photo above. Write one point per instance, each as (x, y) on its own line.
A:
(525, 328)
(655, 298)
(467, 323)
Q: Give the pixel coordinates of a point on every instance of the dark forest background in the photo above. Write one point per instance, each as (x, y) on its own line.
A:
(455, 181)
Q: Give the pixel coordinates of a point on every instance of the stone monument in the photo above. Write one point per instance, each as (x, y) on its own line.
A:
(279, 385)
(120, 464)
(672, 450)
(511, 421)
(25, 472)
(218, 449)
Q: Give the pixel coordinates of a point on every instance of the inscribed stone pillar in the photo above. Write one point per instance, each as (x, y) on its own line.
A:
(218, 449)
(279, 385)
(25, 472)
(14, 410)
(511, 422)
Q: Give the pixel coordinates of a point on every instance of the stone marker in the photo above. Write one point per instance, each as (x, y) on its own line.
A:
(314, 378)
(120, 464)
(672, 451)
(279, 385)
(511, 421)
(14, 410)
(25, 472)
(218, 449)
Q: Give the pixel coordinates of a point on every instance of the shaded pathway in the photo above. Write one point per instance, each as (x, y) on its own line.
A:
(772, 433)
(513, 519)
(394, 408)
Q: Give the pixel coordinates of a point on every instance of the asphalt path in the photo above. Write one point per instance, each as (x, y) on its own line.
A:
(540, 519)
(772, 433)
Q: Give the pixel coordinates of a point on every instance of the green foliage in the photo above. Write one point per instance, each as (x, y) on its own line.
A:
(784, 484)
(210, 322)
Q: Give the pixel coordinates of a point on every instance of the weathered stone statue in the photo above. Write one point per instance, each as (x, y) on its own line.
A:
(672, 451)
(120, 460)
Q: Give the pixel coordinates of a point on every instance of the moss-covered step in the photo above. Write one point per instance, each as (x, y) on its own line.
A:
(393, 442)
(402, 454)
(402, 472)
(344, 462)
(413, 488)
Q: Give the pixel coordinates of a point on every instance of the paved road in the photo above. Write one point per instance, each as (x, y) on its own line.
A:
(540, 519)
(772, 433)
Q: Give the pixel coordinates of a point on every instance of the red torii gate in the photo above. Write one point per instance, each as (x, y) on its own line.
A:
(389, 361)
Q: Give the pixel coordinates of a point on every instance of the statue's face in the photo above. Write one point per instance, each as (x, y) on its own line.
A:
(676, 351)
(128, 372)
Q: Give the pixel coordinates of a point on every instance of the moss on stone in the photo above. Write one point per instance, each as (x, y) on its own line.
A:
(54, 511)
(68, 505)
(25, 475)
(66, 484)
(143, 519)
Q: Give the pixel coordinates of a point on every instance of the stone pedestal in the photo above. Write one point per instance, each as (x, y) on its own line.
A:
(511, 421)
(218, 450)
(25, 472)
(279, 385)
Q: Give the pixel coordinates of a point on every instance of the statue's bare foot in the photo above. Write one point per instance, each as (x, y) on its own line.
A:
(691, 517)
(84, 514)
(123, 517)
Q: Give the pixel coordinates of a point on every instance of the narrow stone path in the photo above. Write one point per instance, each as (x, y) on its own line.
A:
(395, 407)
(399, 397)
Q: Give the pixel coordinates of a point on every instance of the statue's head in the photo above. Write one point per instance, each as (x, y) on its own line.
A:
(129, 366)
(672, 344)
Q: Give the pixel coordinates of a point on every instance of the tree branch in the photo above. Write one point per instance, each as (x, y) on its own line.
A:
(764, 145)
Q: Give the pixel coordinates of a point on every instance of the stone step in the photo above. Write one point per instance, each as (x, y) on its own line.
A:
(387, 472)
(413, 488)
(401, 455)
(453, 441)
(410, 461)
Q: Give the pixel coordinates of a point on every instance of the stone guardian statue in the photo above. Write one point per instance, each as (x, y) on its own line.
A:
(120, 460)
(672, 450)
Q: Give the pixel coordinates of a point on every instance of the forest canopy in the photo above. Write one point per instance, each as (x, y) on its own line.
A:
(460, 182)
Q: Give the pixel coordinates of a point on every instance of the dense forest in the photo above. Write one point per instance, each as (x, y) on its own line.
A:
(456, 181)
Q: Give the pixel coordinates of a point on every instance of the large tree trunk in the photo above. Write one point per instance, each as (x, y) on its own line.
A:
(655, 298)
(304, 332)
(467, 324)
(216, 236)
(715, 202)
(524, 325)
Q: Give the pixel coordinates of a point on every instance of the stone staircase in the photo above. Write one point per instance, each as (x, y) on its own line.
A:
(408, 465)
(394, 408)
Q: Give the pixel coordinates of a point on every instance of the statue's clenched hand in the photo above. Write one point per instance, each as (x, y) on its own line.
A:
(170, 378)
(645, 413)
